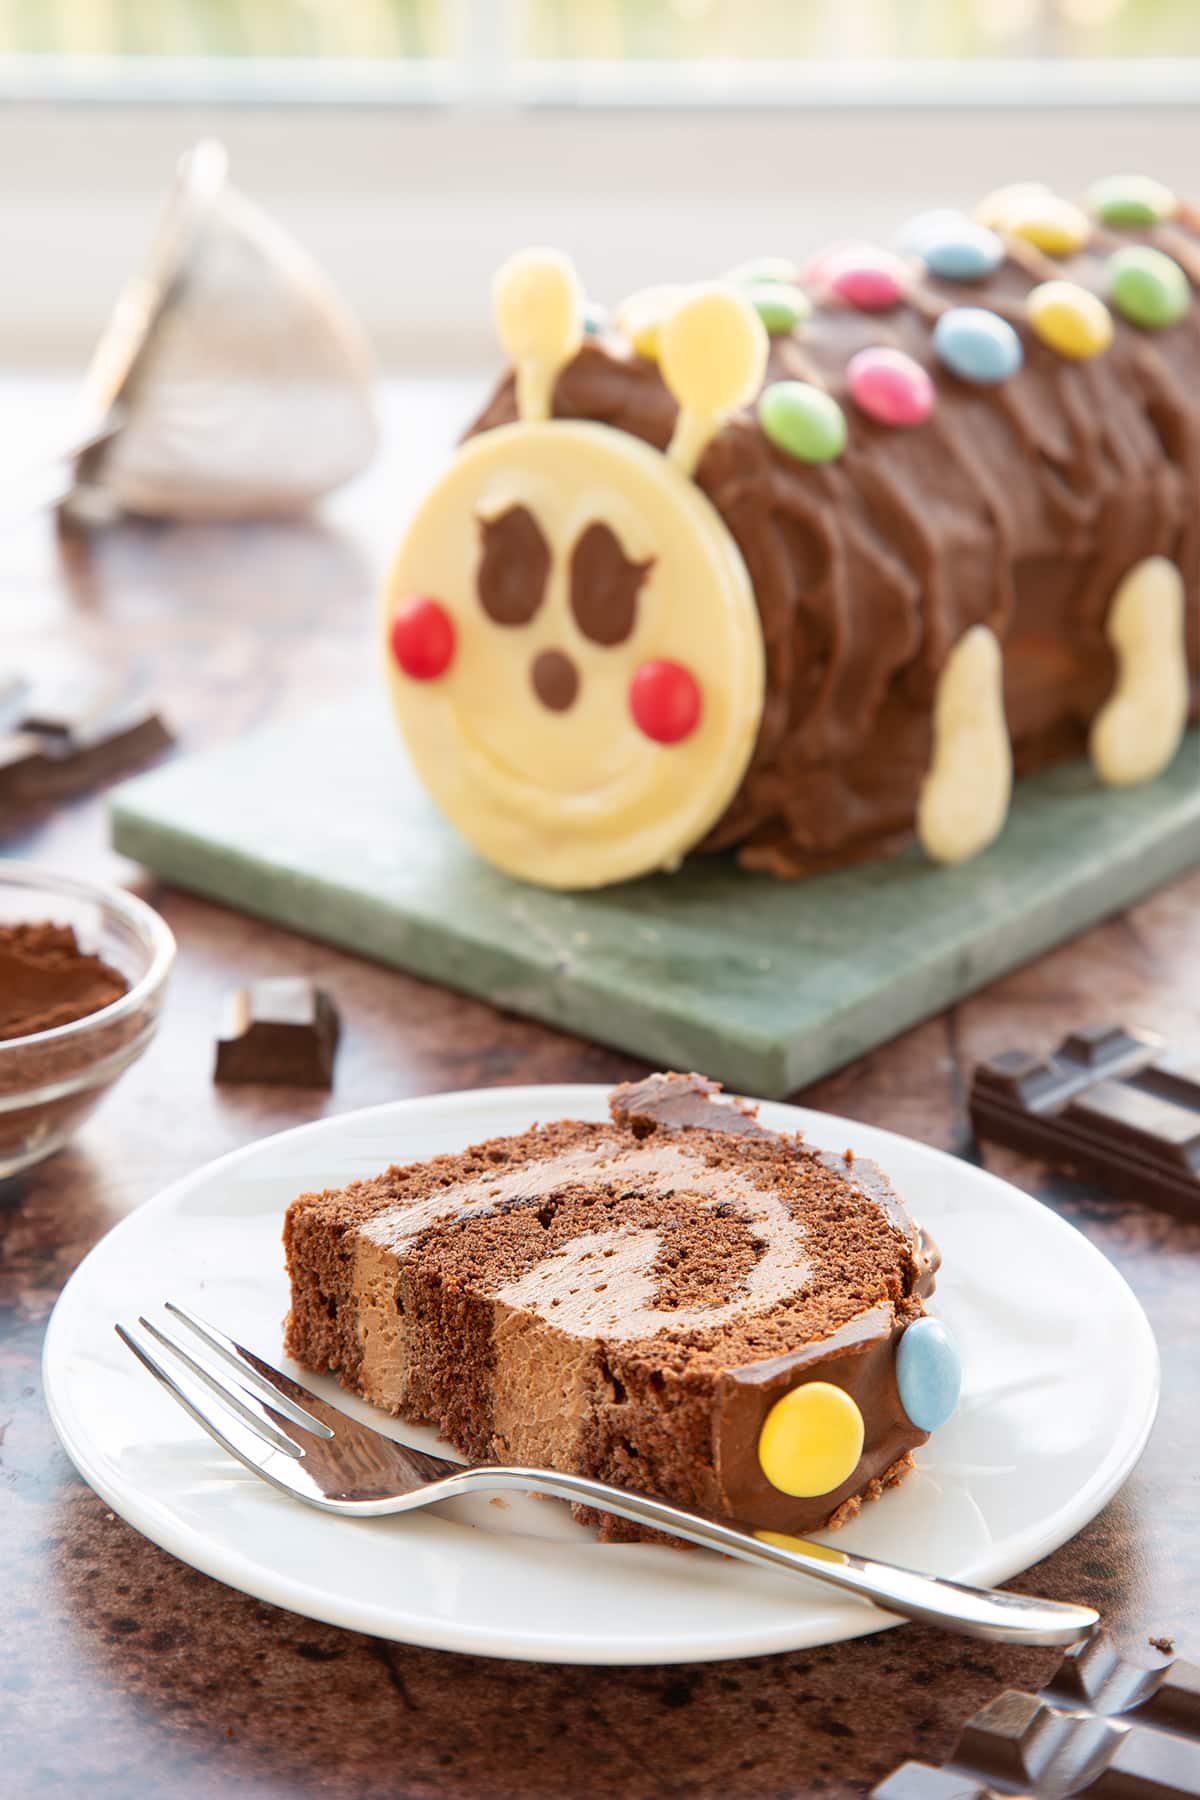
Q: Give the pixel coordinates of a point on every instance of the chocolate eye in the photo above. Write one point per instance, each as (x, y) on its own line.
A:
(604, 585)
(514, 567)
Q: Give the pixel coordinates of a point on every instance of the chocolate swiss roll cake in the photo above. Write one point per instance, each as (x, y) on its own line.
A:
(810, 560)
(679, 1301)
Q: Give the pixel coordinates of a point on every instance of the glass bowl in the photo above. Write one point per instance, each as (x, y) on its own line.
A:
(51, 1080)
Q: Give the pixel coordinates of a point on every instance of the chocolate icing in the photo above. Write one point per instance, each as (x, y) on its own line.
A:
(514, 566)
(1018, 506)
(604, 585)
(675, 1101)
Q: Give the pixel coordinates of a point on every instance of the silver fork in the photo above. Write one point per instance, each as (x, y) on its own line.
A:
(317, 1453)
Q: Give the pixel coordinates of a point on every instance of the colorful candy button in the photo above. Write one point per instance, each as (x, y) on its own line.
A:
(995, 210)
(595, 318)
(1148, 288)
(1070, 319)
(780, 305)
(890, 387)
(422, 639)
(811, 1440)
(965, 255)
(803, 421)
(871, 280)
(665, 701)
(1131, 200)
(954, 247)
(928, 1373)
(1044, 219)
(977, 345)
(642, 315)
(816, 269)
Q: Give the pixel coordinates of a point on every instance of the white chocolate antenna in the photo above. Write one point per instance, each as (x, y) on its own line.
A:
(712, 353)
(538, 305)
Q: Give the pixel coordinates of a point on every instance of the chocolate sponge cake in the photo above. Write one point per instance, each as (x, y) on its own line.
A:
(678, 1300)
(810, 559)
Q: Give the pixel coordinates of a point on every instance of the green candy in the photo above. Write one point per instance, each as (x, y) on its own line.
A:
(1131, 200)
(781, 307)
(1148, 288)
(803, 421)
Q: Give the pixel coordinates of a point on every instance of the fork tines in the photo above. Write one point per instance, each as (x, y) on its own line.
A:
(252, 1410)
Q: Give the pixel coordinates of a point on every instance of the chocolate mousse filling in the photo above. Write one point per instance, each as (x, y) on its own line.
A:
(627, 1300)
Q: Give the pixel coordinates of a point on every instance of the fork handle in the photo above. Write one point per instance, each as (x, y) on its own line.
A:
(974, 1612)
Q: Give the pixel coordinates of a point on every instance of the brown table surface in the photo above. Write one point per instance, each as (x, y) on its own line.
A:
(122, 1672)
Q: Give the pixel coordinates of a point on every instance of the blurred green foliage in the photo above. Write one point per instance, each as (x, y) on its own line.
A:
(608, 30)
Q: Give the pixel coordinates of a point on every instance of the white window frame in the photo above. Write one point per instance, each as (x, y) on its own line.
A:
(410, 182)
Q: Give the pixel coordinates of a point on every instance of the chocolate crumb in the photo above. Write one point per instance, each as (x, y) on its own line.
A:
(1165, 1644)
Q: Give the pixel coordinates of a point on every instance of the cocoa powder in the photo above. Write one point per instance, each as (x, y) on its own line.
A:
(46, 980)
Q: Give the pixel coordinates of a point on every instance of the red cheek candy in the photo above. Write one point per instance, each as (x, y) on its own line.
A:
(664, 698)
(423, 639)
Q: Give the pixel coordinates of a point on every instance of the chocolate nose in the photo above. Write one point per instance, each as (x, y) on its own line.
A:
(555, 679)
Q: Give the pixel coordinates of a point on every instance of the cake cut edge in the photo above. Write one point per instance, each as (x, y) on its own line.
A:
(502, 1383)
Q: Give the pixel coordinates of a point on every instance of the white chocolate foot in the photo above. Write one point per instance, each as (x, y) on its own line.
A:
(1137, 730)
(964, 797)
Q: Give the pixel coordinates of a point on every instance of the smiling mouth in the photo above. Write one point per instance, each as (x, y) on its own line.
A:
(518, 790)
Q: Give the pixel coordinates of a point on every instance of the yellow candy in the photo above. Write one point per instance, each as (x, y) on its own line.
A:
(811, 1440)
(1042, 218)
(783, 1540)
(994, 212)
(1070, 319)
(642, 315)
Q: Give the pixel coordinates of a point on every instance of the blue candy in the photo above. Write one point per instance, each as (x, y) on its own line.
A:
(953, 246)
(977, 345)
(928, 1373)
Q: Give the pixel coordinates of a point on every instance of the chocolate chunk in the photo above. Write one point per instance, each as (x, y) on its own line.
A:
(1110, 1104)
(1101, 1727)
(282, 1031)
(65, 747)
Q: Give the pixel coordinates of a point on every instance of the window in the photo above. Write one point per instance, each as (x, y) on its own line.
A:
(600, 51)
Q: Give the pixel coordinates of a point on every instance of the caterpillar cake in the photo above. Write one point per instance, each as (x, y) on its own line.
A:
(679, 1301)
(810, 560)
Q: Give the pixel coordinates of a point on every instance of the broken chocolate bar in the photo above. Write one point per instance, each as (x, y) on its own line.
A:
(1109, 1104)
(283, 1031)
(1101, 1727)
(62, 750)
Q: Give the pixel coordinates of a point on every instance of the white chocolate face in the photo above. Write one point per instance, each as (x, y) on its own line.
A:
(575, 795)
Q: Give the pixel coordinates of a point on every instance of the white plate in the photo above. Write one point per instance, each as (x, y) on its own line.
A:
(1060, 1390)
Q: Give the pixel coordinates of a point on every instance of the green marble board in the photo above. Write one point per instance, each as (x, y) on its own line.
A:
(320, 825)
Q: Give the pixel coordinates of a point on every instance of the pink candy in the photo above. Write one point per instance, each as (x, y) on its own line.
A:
(890, 387)
(870, 279)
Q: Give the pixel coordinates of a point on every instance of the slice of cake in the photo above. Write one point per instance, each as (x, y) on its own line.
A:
(679, 1301)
